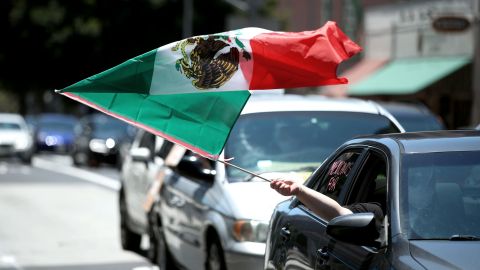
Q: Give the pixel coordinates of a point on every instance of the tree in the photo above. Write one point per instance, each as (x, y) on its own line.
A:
(50, 44)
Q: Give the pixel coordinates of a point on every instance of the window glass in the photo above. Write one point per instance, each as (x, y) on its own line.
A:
(148, 141)
(371, 183)
(165, 149)
(9, 126)
(440, 194)
(295, 141)
(337, 174)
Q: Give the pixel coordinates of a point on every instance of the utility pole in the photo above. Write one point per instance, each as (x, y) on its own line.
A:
(253, 6)
(187, 20)
(475, 118)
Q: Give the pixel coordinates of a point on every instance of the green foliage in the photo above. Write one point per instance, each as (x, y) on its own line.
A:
(8, 102)
(50, 44)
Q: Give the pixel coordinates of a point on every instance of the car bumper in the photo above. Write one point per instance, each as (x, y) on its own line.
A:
(59, 148)
(247, 255)
(10, 150)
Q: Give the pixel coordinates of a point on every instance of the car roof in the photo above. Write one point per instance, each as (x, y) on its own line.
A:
(11, 117)
(56, 117)
(289, 102)
(431, 141)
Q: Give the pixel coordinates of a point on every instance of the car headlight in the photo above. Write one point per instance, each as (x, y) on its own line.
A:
(98, 146)
(51, 140)
(110, 143)
(250, 230)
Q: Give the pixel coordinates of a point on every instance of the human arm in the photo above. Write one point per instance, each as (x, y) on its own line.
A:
(320, 204)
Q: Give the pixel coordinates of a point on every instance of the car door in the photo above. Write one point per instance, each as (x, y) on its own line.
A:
(139, 179)
(182, 212)
(304, 232)
(369, 184)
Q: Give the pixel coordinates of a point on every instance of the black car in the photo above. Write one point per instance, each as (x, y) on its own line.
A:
(428, 184)
(100, 138)
(414, 116)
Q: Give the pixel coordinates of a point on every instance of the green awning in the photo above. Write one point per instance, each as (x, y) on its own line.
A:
(407, 76)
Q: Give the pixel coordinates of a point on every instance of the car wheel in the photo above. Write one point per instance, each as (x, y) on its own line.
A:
(79, 159)
(158, 251)
(215, 259)
(129, 239)
(27, 159)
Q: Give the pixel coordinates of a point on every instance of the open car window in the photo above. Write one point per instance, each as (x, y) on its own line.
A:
(370, 185)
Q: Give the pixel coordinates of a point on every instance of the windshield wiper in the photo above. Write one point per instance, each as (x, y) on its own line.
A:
(464, 237)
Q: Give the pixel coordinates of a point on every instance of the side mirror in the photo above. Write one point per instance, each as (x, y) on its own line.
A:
(141, 154)
(194, 167)
(357, 229)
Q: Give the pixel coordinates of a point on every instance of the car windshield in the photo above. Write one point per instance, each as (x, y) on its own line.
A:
(440, 195)
(104, 127)
(294, 141)
(9, 126)
(55, 125)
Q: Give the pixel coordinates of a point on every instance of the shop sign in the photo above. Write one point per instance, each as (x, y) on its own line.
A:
(451, 24)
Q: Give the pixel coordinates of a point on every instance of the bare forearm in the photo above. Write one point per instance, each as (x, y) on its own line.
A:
(320, 204)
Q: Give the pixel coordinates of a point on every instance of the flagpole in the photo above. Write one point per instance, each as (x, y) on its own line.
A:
(243, 170)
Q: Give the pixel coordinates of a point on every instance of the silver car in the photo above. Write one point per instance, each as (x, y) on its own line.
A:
(212, 216)
(15, 137)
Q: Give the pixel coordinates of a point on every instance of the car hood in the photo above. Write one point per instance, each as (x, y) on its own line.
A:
(253, 200)
(443, 254)
(7, 137)
(56, 133)
(105, 135)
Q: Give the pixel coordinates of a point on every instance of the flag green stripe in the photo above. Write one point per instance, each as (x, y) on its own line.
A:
(132, 75)
(202, 121)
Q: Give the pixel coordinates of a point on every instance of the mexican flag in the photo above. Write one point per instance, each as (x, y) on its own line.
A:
(192, 91)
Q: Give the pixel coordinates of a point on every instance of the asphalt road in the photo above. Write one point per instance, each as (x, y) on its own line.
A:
(54, 216)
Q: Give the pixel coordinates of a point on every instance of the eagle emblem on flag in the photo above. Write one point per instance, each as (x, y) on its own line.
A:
(212, 61)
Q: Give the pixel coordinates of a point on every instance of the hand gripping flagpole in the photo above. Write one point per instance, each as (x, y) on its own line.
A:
(243, 170)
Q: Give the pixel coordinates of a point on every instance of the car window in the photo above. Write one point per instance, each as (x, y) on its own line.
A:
(165, 149)
(337, 174)
(440, 194)
(419, 122)
(9, 126)
(148, 141)
(371, 183)
(295, 141)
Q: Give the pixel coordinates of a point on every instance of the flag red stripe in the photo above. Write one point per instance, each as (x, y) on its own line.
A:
(300, 59)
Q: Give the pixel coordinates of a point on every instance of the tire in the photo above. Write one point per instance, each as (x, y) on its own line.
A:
(27, 159)
(129, 239)
(158, 251)
(215, 258)
(79, 159)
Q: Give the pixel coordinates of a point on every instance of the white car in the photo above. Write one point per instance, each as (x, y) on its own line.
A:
(209, 215)
(15, 137)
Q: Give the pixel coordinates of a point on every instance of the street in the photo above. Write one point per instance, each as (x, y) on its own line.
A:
(52, 217)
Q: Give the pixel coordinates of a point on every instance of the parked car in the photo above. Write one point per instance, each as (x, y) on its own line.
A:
(15, 137)
(414, 116)
(100, 138)
(139, 172)
(428, 184)
(54, 132)
(213, 216)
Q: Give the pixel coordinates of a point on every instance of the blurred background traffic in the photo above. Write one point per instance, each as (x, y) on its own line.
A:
(421, 52)
(420, 62)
